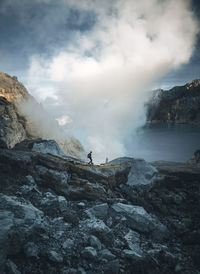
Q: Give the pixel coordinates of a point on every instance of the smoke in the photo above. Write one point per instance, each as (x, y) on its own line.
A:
(99, 81)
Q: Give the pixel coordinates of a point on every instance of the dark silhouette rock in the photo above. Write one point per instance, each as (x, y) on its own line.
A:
(180, 104)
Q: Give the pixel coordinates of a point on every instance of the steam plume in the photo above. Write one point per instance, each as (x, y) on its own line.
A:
(100, 80)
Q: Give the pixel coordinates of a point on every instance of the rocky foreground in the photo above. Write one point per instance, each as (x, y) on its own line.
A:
(59, 217)
(180, 104)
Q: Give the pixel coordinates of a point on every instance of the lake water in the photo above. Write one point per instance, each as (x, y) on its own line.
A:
(164, 141)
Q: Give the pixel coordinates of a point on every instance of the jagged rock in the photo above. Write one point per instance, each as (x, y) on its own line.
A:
(62, 203)
(134, 172)
(68, 244)
(12, 130)
(132, 239)
(89, 252)
(99, 229)
(55, 257)
(94, 242)
(31, 250)
(11, 268)
(106, 254)
(6, 221)
(179, 104)
(39, 145)
(131, 254)
(195, 160)
(140, 220)
(98, 211)
(44, 224)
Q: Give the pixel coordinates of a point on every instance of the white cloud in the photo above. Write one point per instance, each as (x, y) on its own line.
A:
(102, 82)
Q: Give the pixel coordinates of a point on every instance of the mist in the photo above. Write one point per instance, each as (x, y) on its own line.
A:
(97, 84)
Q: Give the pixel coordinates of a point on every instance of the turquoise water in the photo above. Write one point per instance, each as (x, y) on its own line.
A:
(164, 141)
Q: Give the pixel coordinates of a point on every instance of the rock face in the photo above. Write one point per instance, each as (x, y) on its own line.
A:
(23, 118)
(12, 126)
(195, 160)
(179, 104)
(56, 217)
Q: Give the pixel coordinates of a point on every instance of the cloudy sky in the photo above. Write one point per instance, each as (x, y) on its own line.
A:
(92, 62)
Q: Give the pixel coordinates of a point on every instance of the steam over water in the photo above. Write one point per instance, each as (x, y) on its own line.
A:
(164, 141)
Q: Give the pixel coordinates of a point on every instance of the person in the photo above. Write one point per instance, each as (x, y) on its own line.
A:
(90, 157)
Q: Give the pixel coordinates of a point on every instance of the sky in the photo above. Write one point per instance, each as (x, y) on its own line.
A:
(92, 63)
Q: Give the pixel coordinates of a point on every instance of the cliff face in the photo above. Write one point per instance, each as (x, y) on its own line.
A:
(179, 104)
(11, 89)
(12, 126)
(23, 118)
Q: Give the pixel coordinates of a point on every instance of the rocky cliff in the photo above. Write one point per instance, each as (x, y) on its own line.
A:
(23, 118)
(179, 104)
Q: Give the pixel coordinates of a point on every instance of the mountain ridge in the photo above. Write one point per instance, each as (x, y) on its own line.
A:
(180, 104)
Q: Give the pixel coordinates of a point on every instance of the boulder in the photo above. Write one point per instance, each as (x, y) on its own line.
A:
(89, 253)
(106, 254)
(39, 145)
(55, 257)
(139, 220)
(94, 242)
(99, 211)
(138, 173)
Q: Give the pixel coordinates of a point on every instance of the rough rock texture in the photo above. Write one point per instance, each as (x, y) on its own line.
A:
(12, 125)
(56, 217)
(22, 117)
(179, 104)
(195, 160)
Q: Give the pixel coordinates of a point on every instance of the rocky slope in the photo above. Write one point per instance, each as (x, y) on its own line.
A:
(23, 118)
(179, 104)
(58, 217)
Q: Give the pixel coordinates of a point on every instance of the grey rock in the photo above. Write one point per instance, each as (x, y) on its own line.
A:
(30, 180)
(132, 239)
(98, 211)
(55, 257)
(25, 189)
(100, 229)
(6, 224)
(57, 177)
(47, 146)
(180, 104)
(31, 250)
(89, 253)
(130, 254)
(11, 127)
(68, 244)
(106, 254)
(58, 235)
(139, 172)
(62, 203)
(140, 220)
(81, 204)
(94, 242)
(11, 268)
(26, 212)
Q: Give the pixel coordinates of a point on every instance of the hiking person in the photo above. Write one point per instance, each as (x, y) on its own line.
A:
(90, 157)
